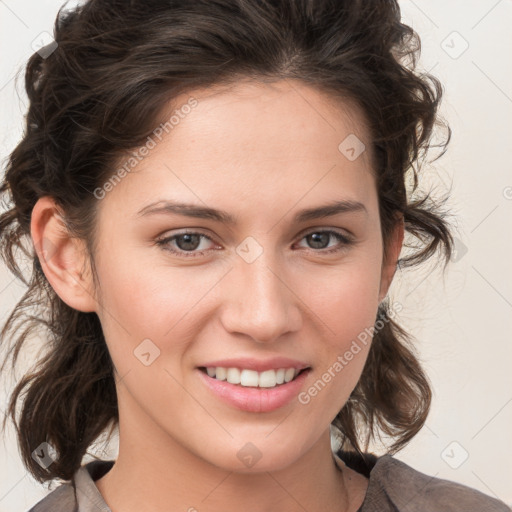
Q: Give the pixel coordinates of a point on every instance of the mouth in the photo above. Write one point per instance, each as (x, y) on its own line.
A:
(251, 379)
(248, 393)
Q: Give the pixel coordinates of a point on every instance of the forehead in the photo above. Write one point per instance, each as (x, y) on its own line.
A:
(283, 115)
(279, 142)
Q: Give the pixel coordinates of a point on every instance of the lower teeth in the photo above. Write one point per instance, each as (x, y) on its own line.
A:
(256, 387)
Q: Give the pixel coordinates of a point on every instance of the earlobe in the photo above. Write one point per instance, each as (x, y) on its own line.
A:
(394, 249)
(61, 256)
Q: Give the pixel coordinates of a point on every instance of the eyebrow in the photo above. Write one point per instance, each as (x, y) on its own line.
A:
(201, 212)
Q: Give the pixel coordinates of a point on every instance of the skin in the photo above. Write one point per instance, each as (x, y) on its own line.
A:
(178, 443)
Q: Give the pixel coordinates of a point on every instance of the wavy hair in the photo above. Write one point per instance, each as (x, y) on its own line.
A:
(100, 94)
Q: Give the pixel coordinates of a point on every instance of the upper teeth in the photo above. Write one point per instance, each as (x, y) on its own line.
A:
(266, 379)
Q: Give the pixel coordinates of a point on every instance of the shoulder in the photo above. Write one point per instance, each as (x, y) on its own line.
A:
(62, 499)
(433, 493)
(80, 494)
(396, 486)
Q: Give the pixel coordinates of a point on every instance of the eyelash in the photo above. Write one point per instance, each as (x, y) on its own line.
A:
(346, 241)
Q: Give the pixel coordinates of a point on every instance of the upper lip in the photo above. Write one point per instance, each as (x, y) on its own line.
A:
(258, 365)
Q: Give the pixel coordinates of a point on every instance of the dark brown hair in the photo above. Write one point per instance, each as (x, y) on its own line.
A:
(101, 93)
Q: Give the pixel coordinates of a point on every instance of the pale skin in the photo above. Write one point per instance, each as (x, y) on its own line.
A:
(261, 153)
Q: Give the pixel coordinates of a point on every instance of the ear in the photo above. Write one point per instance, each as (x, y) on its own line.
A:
(393, 252)
(62, 257)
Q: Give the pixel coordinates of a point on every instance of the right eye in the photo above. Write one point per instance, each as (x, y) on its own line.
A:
(186, 243)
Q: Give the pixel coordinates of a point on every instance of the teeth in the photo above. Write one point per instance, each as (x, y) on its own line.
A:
(251, 378)
(233, 375)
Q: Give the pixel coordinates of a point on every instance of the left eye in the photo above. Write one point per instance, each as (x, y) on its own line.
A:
(188, 242)
(319, 237)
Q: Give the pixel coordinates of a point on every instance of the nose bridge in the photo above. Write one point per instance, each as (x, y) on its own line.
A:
(261, 303)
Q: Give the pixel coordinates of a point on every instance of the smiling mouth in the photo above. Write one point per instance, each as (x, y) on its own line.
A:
(271, 385)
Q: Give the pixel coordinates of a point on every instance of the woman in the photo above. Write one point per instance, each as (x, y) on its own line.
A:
(216, 196)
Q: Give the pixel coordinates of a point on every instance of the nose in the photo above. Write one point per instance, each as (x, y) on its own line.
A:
(258, 301)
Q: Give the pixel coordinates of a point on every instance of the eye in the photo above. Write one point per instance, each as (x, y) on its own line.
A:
(319, 237)
(188, 242)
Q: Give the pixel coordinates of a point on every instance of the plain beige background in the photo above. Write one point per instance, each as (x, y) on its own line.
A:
(462, 321)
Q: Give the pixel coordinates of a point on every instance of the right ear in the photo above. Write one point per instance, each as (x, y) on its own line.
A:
(63, 258)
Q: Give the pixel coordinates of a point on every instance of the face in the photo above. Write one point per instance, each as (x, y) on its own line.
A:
(268, 284)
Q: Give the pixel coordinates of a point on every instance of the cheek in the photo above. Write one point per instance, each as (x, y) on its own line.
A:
(347, 311)
(346, 304)
(346, 299)
(148, 302)
(149, 299)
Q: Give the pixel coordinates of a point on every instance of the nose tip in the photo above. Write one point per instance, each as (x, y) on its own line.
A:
(262, 306)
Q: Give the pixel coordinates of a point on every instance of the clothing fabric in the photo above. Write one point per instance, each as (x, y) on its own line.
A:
(393, 486)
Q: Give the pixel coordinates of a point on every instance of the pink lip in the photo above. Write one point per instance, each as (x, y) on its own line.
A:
(252, 399)
(250, 363)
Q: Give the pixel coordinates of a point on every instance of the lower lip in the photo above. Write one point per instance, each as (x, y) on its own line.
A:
(255, 399)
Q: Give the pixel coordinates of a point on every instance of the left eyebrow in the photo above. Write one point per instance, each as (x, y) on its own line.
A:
(329, 210)
(201, 212)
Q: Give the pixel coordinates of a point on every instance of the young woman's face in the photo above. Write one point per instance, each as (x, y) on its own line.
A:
(267, 285)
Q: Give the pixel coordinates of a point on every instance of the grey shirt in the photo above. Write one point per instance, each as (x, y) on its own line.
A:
(393, 487)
